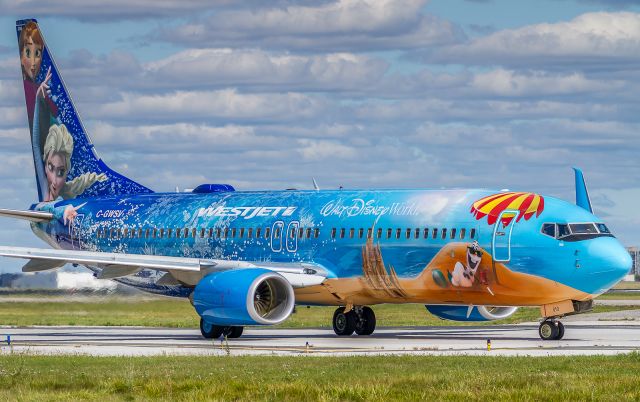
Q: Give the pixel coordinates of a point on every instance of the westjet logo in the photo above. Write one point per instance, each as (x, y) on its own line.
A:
(245, 212)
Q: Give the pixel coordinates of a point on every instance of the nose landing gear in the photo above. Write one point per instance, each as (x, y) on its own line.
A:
(359, 319)
(551, 329)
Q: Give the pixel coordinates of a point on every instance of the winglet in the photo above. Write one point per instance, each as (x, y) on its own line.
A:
(582, 195)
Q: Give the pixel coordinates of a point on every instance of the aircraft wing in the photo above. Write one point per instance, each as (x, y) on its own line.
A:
(182, 269)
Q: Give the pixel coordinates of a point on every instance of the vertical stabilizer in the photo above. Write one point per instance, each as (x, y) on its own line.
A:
(582, 195)
(67, 165)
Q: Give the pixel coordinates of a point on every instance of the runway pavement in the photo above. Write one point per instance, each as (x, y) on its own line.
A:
(622, 335)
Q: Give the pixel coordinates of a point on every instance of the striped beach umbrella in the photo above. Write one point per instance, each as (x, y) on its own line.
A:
(527, 205)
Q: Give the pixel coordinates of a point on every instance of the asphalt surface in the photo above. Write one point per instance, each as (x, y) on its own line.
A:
(585, 335)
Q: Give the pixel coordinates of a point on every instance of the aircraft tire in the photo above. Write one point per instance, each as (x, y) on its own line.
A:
(233, 332)
(210, 331)
(344, 324)
(548, 330)
(560, 331)
(366, 324)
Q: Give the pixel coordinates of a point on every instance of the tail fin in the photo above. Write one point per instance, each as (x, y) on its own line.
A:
(66, 163)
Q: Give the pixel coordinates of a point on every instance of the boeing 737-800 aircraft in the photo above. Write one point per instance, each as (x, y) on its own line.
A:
(247, 257)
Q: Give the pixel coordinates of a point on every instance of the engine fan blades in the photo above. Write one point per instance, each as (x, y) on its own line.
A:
(263, 298)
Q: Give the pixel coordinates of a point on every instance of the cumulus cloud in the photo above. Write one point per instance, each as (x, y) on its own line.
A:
(117, 10)
(352, 25)
(223, 104)
(503, 82)
(589, 40)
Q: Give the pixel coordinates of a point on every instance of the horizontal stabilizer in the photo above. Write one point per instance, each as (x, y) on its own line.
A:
(33, 216)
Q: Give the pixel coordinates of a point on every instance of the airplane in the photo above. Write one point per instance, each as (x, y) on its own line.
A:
(247, 258)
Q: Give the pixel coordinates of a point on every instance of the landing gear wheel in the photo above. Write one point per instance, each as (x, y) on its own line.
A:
(366, 322)
(344, 323)
(210, 331)
(233, 332)
(560, 331)
(549, 330)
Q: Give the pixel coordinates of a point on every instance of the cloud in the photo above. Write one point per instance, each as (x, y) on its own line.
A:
(343, 25)
(222, 104)
(503, 82)
(118, 10)
(588, 41)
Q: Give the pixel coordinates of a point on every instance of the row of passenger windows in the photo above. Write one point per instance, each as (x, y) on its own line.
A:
(301, 233)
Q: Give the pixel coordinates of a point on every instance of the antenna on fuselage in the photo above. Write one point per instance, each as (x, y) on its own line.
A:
(315, 185)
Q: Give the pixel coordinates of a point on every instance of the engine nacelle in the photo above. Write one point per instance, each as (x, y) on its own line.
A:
(252, 296)
(478, 313)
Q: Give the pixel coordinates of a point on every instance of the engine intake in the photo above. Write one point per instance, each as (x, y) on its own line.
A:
(244, 297)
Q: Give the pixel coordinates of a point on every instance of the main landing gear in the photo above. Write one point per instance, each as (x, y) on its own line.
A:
(211, 331)
(551, 330)
(359, 319)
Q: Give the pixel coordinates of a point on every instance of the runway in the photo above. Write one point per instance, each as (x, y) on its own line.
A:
(582, 338)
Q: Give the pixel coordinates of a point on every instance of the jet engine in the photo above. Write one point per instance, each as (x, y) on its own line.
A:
(253, 296)
(475, 313)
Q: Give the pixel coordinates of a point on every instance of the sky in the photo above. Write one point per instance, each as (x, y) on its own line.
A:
(354, 93)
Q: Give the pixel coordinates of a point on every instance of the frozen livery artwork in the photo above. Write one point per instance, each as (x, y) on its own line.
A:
(248, 257)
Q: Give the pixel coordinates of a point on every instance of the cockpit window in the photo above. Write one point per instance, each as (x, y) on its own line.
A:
(575, 231)
(603, 228)
(563, 230)
(549, 229)
(583, 228)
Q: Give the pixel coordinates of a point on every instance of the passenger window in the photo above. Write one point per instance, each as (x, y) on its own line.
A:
(126, 232)
(398, 232)
(379, 233)
(417, 235)
(342, 233)
(226, 232)
(472, 235)
(218, 233)
(258, 232)
(177, 232)
(242, 233)
(293, 233)
(276, 233)
(193, 233)
(425, 233)
(453, 233)
(186, 233)
(369, 233)
(300, 233)
(463, 232)
(389, 231)
(161, 233)
(316, 233)
(333, 233)
(351, 232)
(408, 235)
(444, 233)
(267, 233)
(360, 233)
(309, 233)
(154, 233)
(250, 233)
(549, 229)
(435, 233)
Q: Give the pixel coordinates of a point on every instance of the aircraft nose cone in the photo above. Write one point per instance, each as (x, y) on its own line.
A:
(608, 262)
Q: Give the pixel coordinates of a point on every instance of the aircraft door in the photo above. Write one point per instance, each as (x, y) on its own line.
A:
(276, 236)
(292, 236)
(501, 240)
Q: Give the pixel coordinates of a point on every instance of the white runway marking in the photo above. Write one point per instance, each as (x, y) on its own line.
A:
(582, 338)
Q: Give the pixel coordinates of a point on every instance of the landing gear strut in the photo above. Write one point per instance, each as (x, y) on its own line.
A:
(360, 319)
(551, 329)
(210, 331)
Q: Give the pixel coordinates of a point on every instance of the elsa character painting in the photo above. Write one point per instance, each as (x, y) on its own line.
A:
(56, 157)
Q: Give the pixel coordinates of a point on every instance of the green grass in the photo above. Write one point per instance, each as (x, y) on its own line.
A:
(166, 312)
(303, 378)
